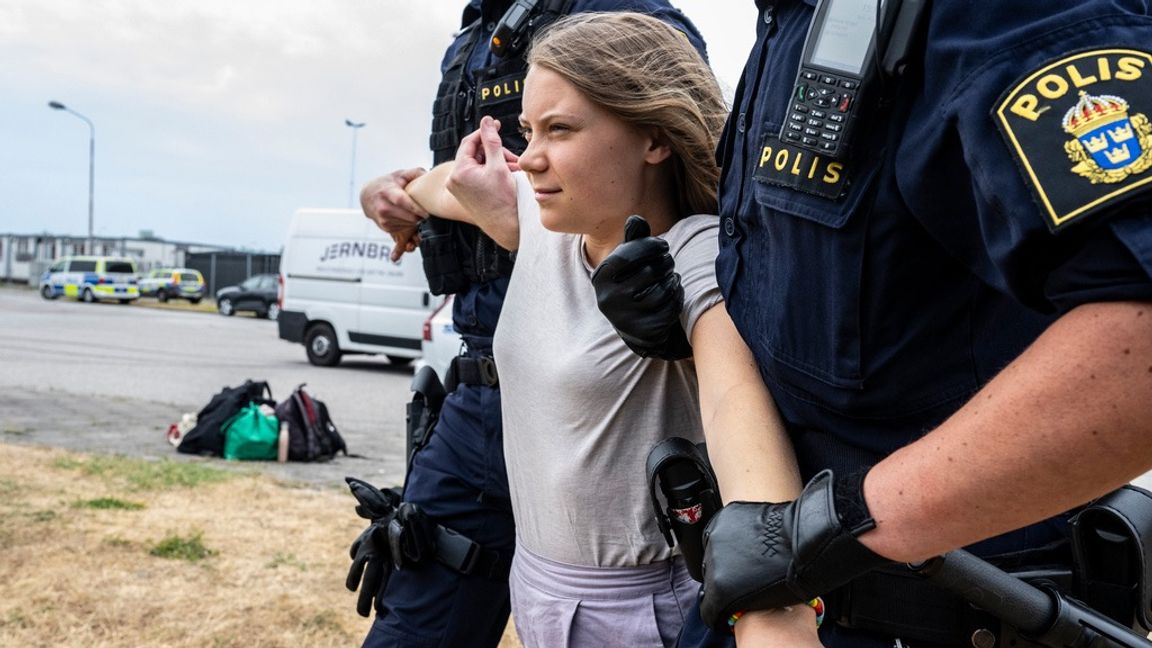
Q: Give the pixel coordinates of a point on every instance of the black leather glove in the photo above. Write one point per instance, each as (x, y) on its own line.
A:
(759, 555)
(638, 290)
(371, 558)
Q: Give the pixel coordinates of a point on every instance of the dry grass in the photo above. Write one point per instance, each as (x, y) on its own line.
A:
(112, 552)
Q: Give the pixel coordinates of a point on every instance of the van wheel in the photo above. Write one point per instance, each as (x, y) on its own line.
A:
(87, 296)
(398, 361)
(162, 296)
(320, 343)
(47, 293)
(273, 311)
(225, 307)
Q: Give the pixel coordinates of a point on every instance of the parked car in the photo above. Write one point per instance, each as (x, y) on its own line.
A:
(441, 341)
(257, 294)
(174, 283)
(91, 278)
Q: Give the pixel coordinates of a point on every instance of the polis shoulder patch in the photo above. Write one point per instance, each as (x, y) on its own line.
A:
(1079, 129)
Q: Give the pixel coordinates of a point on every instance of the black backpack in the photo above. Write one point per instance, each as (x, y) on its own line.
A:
(207, 438)
(312, 436)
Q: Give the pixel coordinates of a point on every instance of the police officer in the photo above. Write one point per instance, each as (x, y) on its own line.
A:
(457, 480)
(955, 318)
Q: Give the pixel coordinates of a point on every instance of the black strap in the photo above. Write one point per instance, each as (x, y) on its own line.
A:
(480, 370)
(1111, 538)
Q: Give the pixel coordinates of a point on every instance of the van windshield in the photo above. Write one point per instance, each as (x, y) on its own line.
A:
(121, 267)
(82, 266)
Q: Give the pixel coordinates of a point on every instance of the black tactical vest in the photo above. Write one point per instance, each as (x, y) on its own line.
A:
(457, 255)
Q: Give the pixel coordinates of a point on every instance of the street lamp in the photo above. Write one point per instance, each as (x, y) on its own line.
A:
(56, 105)
(352, 172)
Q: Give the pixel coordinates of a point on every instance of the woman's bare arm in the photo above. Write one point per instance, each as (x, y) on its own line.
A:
(477, 187)
(750, 451)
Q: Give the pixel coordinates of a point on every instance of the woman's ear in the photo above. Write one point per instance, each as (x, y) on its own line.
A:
(658, 147)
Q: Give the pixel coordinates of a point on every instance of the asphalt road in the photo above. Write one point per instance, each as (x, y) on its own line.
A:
(112, 378)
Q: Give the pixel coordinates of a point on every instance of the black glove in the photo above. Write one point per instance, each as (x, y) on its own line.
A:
(638, 290)
(371, 559)
(759, 555)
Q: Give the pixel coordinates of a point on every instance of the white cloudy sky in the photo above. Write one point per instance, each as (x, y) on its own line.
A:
(216, 119)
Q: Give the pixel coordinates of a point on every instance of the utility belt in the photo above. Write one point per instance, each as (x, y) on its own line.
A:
(414, 541)
(899, 603)
(1105, 567)
(472, 370)
(428, 394)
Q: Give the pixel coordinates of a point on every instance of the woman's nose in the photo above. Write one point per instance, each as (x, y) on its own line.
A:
(532, 159)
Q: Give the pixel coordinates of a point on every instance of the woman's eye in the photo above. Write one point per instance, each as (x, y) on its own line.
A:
(525, 132)
(558, 128)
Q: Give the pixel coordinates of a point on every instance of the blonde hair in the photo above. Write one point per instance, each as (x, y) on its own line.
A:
(649, 75)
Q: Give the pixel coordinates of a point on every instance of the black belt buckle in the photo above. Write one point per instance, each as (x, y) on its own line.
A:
(456, 551)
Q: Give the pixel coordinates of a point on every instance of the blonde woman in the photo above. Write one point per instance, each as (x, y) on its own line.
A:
(621, 116)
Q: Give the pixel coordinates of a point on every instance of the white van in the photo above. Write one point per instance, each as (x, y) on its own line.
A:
(340, 294)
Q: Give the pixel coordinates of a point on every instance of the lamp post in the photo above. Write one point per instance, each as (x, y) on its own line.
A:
(56, 105)
(352, 171)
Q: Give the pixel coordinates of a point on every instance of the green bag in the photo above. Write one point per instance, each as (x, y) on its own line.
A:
(251, 435)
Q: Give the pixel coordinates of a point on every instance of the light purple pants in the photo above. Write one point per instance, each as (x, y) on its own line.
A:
(556, 605)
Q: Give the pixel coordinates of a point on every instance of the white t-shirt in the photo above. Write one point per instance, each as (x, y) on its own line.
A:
(581, 410)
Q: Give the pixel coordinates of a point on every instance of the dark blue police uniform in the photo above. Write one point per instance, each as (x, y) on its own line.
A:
(458, 478)
(1006, 181)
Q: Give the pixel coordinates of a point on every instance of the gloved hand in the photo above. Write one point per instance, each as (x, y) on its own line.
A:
(639, 291)
(371, 559)
(760, 555)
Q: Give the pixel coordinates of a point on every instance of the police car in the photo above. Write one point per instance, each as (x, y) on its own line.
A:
(91, 278)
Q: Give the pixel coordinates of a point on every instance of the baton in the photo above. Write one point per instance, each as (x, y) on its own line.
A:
(1040, 614)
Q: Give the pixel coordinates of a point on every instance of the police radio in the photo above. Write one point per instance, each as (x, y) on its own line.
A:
(513, 29)
(852, 46)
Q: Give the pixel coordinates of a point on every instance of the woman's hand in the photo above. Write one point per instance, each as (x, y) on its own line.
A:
(482, 183)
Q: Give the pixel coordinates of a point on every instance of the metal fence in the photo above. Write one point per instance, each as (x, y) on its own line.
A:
(229, 268)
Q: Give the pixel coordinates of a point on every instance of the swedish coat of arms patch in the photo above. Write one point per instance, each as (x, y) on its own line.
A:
(1079, 129)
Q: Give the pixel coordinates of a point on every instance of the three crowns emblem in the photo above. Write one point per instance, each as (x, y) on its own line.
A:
(1108, 145)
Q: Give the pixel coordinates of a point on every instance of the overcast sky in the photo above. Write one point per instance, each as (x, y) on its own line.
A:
(216, 119)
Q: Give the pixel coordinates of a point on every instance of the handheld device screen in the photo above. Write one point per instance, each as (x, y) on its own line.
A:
(842, 43)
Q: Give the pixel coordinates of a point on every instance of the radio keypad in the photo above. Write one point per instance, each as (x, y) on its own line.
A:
(820, 109)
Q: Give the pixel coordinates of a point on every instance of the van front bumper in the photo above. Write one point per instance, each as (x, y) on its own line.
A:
(292, 324)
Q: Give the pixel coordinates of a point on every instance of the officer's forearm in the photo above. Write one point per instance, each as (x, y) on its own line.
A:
(747, 445)
(1068, 420)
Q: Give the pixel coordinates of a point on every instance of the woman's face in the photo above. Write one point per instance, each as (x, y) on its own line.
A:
(589, 169)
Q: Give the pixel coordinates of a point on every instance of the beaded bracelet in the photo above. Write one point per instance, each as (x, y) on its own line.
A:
(816, 604)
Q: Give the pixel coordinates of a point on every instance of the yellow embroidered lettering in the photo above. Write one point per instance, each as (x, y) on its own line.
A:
(1103, 69)
(1130, 68)
(1052, 86)
(1077, 80)
(796, 164)
(484, 92)
(832, 176)
(497, 92)
(765, 155)
(812, 169)
(1025, 106)
(781, 160)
